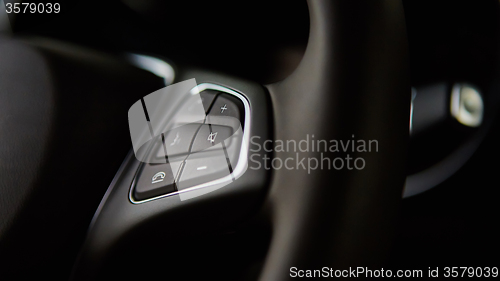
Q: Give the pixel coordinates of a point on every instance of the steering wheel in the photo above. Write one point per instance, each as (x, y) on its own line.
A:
(64, 127)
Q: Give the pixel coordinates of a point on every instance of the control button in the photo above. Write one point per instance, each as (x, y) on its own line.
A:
(226, 105)
(193, 109)
(155, 180)
(207, 98)
(210, 135)
(189, 109)
(226, 111)
(178, 140)
(202, 170)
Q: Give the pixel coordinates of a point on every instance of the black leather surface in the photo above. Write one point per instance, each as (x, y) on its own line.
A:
(353, 80)
(63, 135)
(27, 112)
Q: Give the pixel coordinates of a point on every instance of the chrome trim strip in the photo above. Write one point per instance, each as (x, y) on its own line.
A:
(413, 96)
(242, 164)
(154, 65)
(455, 100)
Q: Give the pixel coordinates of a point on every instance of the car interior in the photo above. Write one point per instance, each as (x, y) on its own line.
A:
(332, 139)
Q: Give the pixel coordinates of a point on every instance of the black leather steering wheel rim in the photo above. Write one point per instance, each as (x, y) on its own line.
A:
(353, 80)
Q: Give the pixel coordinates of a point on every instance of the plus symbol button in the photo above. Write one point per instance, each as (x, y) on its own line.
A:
(223, 108)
